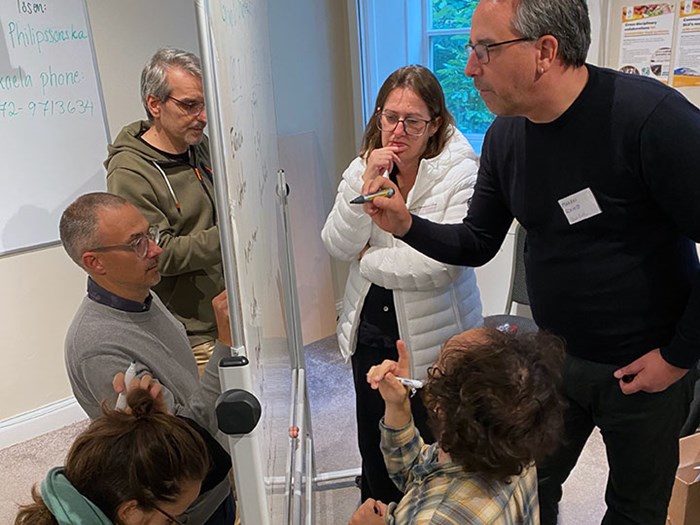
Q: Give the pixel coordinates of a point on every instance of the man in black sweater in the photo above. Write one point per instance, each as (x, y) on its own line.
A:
(601, 168)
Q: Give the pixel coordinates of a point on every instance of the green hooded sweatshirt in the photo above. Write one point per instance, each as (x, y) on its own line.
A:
(67, 505)
(178, 197)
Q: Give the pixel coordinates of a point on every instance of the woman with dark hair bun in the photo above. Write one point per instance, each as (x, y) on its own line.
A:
(393, 292)
(142, 467)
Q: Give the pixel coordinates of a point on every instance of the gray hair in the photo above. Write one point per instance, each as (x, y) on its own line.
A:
(78, 225)
(566, 20)
(154, 75)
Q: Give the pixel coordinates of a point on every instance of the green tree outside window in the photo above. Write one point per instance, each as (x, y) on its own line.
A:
(448, 33)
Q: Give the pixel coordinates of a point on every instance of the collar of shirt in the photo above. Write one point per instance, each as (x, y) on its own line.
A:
(102, 296)
(181, 158)
(431, 465)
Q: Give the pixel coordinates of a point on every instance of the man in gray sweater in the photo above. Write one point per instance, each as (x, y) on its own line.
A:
(122, 321)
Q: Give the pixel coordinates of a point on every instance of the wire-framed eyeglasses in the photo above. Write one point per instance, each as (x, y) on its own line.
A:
(482, 50)
(413, 126)
(191, 108)
(172, 520)
(139, 245)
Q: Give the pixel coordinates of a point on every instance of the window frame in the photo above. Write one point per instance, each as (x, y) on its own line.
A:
(427, 34)
(408, 21)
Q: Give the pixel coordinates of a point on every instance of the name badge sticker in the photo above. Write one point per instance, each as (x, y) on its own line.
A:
(580, 206)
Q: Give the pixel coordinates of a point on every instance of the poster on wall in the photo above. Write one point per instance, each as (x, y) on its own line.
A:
(647, 36)
(686, 70)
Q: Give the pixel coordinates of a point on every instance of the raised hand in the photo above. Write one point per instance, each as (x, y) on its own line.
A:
(383, 376)
(379, 161)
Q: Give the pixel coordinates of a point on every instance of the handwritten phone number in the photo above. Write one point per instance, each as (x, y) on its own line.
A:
(47, 108)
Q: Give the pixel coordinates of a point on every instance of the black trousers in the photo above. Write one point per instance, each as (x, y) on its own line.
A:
(640, 432)
(375, 482)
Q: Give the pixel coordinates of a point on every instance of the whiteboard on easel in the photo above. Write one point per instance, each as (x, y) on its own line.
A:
(53, 128)
(243, 139)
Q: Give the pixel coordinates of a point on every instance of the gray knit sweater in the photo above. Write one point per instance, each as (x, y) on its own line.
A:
(102, 341)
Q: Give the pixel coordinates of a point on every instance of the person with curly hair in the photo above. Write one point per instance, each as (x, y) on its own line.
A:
(127, 468)
(495, 409)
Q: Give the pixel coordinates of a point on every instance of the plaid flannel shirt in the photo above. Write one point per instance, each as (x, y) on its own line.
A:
(444, 494)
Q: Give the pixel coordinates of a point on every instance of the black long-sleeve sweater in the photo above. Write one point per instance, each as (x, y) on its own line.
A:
(620, 283)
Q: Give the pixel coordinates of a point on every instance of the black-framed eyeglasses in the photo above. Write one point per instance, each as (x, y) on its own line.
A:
(389, 121)
(139, 245)
(482, 50)
(172, 519)
(191, 108)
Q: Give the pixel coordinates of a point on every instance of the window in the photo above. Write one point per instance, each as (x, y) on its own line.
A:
(394, 33)
(447, 32)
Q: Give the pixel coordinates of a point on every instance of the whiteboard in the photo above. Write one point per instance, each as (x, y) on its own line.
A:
(242, 129)
(52, 124)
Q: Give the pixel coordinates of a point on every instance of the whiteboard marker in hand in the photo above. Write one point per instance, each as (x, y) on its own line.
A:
(129, 376)
(362, 199)
(412, 384)
(369, 197)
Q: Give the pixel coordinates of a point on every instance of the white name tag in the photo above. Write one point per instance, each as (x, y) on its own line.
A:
(579, 206)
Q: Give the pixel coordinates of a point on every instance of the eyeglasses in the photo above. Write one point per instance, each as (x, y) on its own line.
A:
(482, 50)
(413, 126)
(139, 245)
(191, 108)
(172, 520)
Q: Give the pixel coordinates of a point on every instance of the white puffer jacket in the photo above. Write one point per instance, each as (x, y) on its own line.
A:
(433, 301)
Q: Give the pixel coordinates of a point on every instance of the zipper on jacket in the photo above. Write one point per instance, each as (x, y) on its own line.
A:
(207, 172)
(196, 165)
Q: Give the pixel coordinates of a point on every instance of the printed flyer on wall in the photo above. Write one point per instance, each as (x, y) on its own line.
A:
(647, 36)
(686, 71)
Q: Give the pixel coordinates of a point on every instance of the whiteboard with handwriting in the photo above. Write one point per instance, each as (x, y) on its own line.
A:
(243, 134)
(53, 130)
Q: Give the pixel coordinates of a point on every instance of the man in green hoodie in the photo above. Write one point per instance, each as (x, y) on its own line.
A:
(162, 166)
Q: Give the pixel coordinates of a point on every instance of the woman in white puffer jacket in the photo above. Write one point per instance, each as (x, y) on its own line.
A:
(392, 290)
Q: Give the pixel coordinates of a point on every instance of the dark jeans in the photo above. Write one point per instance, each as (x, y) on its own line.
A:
(225, 514)
(640, 432)
(375, 482)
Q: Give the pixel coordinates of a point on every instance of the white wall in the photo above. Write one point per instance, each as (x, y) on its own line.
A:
(313, 100)
(40, 292)
(126, 34)
(41, 289)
